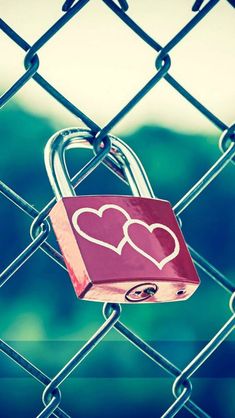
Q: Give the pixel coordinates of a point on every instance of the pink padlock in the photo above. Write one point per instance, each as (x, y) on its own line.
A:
(117, 248)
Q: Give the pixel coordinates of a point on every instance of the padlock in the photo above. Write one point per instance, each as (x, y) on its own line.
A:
(117, 248)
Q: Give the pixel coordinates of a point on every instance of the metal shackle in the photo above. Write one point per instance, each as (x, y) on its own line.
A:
(120, 155)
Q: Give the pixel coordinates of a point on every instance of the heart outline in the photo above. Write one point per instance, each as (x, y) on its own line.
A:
(126, 238)
(100, 212)
(165, 260)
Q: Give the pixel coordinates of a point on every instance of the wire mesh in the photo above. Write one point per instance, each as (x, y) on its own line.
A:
(40, 229)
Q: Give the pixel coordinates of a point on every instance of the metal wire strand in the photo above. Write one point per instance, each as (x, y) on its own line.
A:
(169, 78)
(30, 368)
(49, 392)
(207, 351)
(25, 254)
(156, 357)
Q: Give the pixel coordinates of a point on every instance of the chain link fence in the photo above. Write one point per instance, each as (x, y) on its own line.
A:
(182, 385)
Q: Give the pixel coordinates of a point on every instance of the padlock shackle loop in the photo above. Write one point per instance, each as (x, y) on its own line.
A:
(120, 156)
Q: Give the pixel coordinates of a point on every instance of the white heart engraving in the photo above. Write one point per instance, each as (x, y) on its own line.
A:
(150, 228)
(126, 238)
(100, 212)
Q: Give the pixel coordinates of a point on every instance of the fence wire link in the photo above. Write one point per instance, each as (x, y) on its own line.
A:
(182, 386)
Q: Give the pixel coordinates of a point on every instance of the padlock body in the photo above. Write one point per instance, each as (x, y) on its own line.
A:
(124, 249)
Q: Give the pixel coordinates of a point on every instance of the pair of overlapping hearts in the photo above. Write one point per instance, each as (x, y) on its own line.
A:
(152, 229)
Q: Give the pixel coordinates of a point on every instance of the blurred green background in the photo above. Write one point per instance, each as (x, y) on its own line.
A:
(42, 318)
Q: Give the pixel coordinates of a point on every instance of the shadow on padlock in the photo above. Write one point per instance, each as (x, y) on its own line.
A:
(124, 249)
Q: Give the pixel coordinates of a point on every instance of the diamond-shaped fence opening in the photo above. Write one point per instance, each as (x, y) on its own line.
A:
(178, 364)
